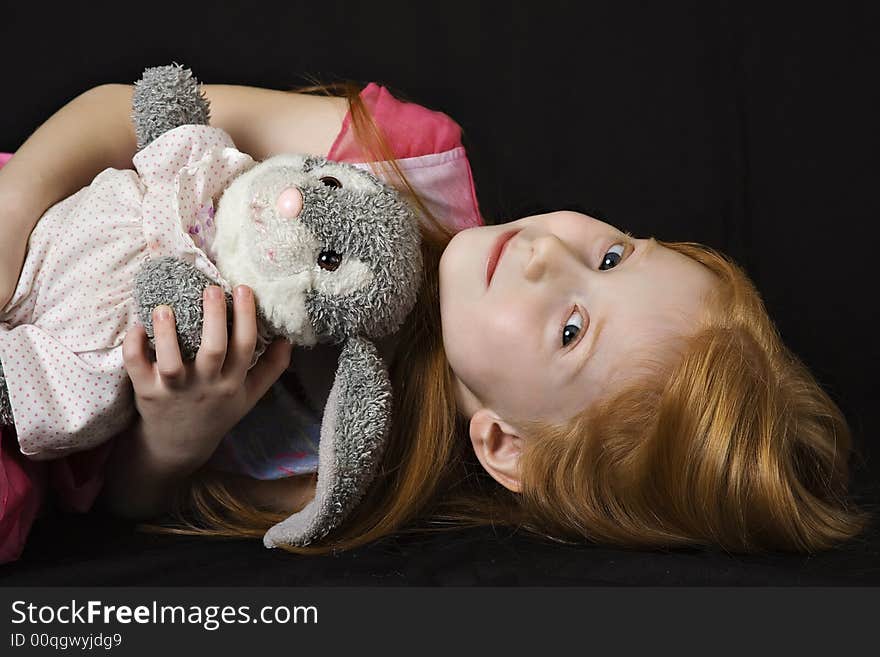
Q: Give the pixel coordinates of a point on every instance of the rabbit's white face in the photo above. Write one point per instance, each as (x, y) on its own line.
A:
(282, 245)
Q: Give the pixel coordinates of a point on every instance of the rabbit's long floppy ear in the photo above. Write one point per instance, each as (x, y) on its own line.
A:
(354, 430)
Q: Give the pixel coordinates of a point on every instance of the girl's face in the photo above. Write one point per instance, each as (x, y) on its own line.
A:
(571, 301)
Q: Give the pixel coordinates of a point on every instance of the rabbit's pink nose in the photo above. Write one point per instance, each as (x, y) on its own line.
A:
(289, 203)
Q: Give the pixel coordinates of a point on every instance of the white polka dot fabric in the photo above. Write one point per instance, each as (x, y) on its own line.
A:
(61, 333)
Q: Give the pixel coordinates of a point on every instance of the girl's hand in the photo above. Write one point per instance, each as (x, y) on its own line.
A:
(188, 407)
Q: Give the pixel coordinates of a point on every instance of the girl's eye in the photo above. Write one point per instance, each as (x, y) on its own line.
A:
(612, 258)
(330, 181)
(572, 328)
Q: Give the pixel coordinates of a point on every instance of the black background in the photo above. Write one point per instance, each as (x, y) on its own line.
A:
(749, 126)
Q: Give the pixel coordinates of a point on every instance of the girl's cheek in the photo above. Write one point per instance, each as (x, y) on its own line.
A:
(506, 323)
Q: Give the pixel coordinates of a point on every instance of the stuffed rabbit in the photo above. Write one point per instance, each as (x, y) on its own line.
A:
(331, 253)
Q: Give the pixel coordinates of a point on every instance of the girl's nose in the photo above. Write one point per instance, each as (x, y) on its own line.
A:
(289, 203)
(548, 253)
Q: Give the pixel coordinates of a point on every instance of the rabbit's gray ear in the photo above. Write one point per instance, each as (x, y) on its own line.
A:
(354, 430)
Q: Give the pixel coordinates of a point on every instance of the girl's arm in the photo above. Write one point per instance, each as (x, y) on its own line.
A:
(141, 478)
(149, 482)
(94, 131)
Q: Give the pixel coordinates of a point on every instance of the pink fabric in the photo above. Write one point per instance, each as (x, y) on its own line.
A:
(428, 149)
(4, 158)
(410, 129)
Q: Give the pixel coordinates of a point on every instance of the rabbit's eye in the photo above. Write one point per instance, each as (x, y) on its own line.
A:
(329, 260)
(330, 181)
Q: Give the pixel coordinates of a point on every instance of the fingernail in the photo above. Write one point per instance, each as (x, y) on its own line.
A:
(241, 292)
(214, 292)
(162, 313)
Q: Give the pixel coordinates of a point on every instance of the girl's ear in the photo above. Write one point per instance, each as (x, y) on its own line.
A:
(498, 448)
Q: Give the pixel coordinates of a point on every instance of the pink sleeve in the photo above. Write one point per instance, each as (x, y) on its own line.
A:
(410, 129)
(428, 150)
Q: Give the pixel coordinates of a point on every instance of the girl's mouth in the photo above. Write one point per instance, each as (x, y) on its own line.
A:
(496, 252)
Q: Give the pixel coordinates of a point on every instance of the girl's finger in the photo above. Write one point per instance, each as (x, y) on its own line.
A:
(134, 357)
(244, 333)
(212, 351)
(271, 365)
(169, 364)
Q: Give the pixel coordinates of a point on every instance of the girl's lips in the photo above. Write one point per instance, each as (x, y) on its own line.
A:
(495, 253)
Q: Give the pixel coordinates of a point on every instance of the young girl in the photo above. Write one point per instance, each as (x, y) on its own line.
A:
(584, 385)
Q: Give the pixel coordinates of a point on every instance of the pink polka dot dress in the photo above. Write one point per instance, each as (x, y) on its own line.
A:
(61, 334)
